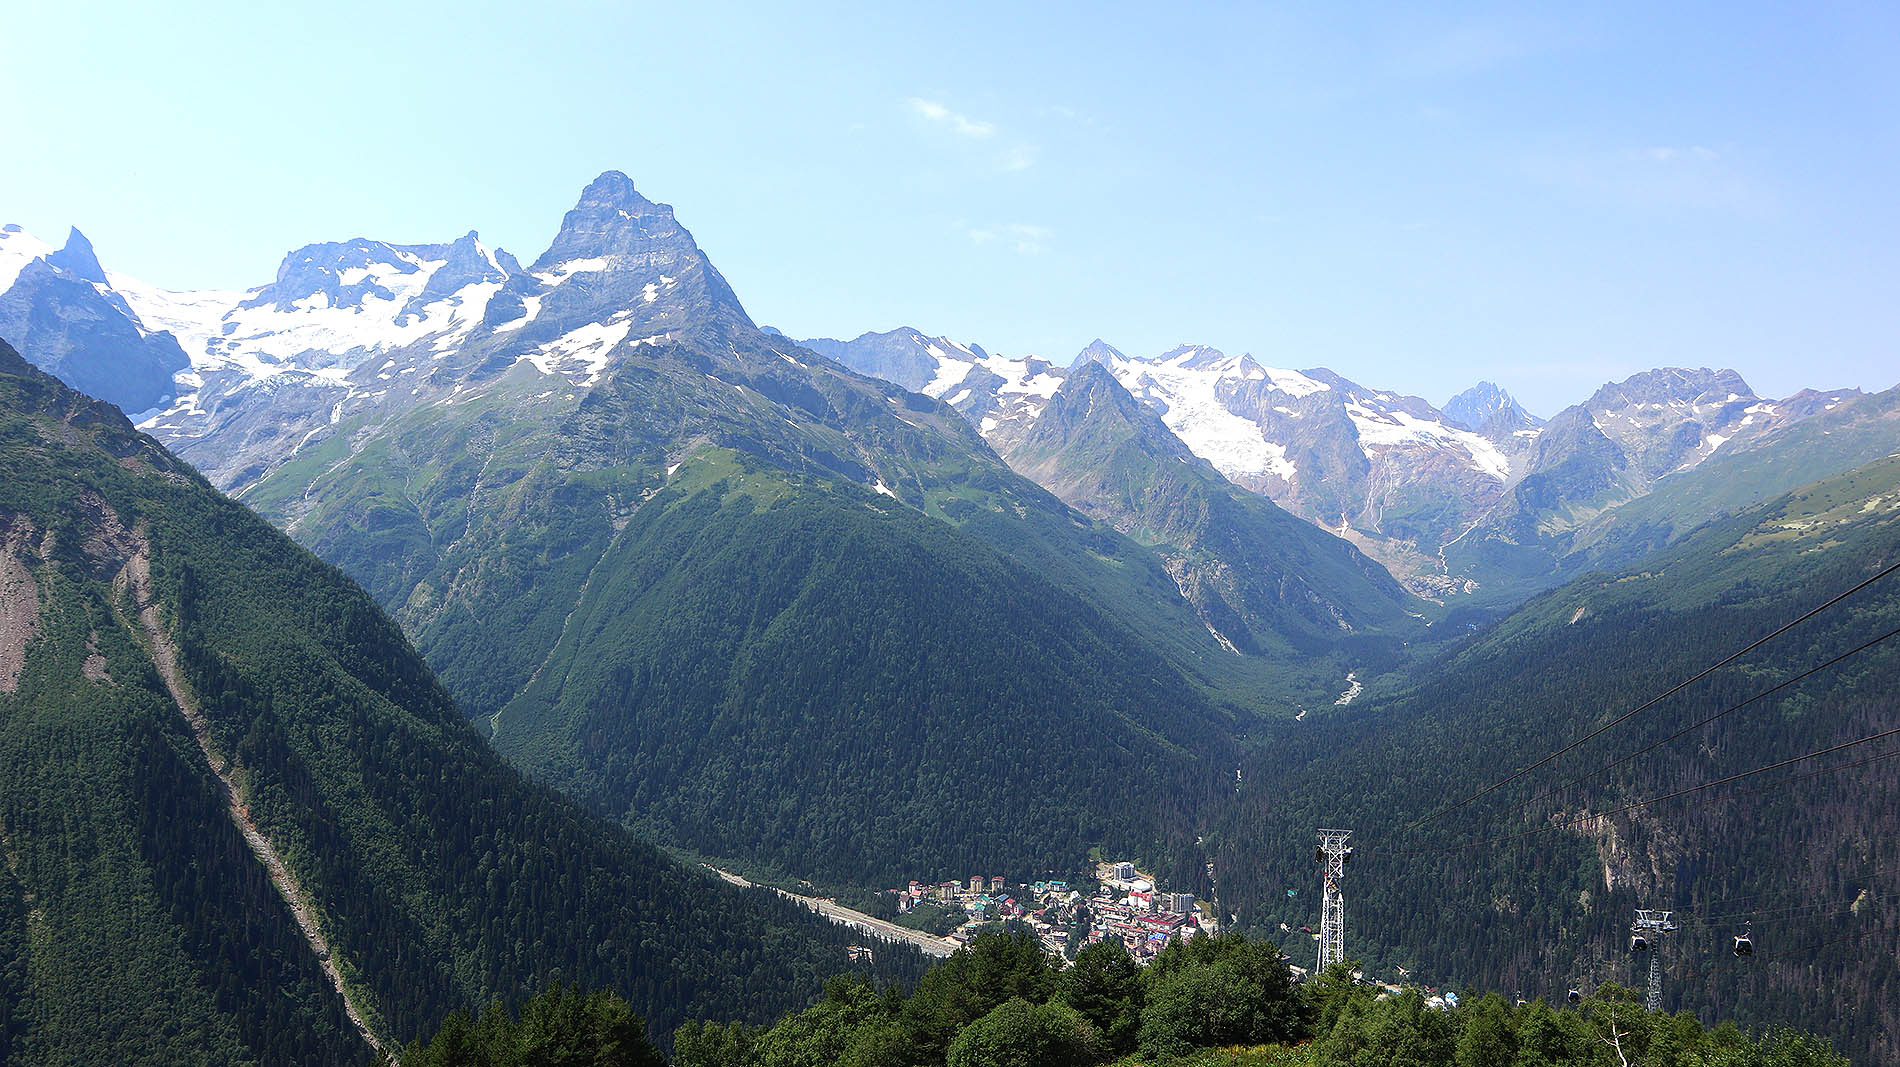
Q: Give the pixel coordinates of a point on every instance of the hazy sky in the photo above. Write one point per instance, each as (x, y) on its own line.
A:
(1414, 199)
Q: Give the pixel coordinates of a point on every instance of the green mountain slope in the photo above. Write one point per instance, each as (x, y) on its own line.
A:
(923, 704)
(243, 823)
(1811, 861)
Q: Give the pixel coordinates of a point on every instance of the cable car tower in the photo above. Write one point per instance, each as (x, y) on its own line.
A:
(1646, 937)
(1332, 854)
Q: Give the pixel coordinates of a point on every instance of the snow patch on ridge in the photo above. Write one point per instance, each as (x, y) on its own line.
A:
(560, 272)
(1194, 411)
(1393, 428)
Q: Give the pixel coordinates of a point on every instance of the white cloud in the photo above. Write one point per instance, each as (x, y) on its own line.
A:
(1669, 177)
(1666, 153)
(1021, 157)
(963, 124)
(1027, 239)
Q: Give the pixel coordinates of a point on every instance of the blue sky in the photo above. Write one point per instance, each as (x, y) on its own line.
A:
(1416, 199)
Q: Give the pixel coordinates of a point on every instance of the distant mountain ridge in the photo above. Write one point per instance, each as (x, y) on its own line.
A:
(1475, 502)
(1478, 406)
(1480, 502)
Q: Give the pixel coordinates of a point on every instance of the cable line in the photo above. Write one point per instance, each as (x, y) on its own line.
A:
(1769, 917)
(1782, 956)
(1731, 903)
(1581, 819)
(1804, 675)
(1652, 702)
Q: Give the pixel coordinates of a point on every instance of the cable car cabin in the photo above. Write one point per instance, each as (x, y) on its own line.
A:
(1639, 943)
(1575, 997)
(1744, 945)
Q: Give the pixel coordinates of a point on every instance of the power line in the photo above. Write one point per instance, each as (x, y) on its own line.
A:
(1732, 902)
(1581, 819)
(1652, 702)
(1772, 916)
(1783, 956)
(1770, 691)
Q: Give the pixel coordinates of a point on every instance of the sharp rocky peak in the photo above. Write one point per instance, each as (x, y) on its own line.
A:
(635, 255)
(78, 259)
(612, 219)
(1097, 351)
(1478, 405)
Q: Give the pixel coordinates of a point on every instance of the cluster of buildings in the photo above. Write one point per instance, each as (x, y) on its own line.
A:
(1124, 905)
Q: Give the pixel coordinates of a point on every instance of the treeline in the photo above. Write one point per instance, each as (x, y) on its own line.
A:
(1220, 1002)
(1002, 1000)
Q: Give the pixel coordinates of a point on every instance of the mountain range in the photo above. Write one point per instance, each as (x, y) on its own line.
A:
(902, 607)
(562, 481)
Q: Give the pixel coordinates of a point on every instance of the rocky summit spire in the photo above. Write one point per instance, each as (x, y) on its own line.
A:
(631, 253)
(78, 259)
(612, 218)
(1098, 351)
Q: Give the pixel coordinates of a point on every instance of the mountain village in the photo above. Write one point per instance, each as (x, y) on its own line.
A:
(1126, 905)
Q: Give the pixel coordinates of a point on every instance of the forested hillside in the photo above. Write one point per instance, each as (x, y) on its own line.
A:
(1533, 885)
(821, 678)
(243, 823)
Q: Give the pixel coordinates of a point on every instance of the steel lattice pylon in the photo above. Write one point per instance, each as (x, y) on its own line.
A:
(1646, 936)
(1332, 854)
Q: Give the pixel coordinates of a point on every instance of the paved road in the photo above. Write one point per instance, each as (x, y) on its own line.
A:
(857, 920)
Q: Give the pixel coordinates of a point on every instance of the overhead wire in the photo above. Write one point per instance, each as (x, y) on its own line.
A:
(1653, 701)
(1731, 709)
(1780, 957)
(1581, 819)
(1771, 917)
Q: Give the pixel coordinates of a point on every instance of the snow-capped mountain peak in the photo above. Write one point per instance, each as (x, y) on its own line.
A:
(1484, 402)
(77, 259)
(1096, 351)
(17, 249)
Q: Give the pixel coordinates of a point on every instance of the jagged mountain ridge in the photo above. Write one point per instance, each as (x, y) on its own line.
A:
(1484, 506)
(379, 330)
(1486, 403)
(1389, 472)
